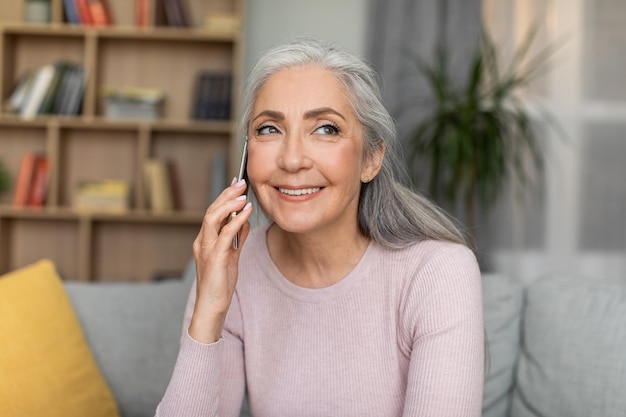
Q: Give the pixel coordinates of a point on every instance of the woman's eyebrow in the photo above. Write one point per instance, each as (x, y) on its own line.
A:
(270, 113)
(311, 114)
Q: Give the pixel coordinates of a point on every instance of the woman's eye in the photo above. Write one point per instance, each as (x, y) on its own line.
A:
(266, 130)
(327, 130)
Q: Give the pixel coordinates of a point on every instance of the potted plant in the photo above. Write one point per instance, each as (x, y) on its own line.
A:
(480, 134)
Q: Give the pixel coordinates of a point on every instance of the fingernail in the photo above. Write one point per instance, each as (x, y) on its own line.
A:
(248, 206)
(241, 197)
(233, 181)
(240, 183)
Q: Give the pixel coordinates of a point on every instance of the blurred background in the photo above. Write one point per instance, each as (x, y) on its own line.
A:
(573, 216)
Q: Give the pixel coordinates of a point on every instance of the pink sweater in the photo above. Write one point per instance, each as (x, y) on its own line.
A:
(401, 335)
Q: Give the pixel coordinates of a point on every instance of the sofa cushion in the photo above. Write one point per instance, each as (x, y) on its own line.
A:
(573, 359)
(46, 367)
(134, 331)
(502, 300)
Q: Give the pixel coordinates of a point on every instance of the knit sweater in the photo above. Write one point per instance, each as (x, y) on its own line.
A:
(400, 335)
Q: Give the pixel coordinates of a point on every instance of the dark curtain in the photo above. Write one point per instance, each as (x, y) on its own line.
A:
(399, 33)
(399, 30)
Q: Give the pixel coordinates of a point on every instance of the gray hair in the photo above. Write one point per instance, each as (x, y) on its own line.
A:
(389, 212)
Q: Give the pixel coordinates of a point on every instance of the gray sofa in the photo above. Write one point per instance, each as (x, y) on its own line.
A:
(556, 348)
(133, 331)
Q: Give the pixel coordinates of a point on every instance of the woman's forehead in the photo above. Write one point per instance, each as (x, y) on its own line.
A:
(309, 85)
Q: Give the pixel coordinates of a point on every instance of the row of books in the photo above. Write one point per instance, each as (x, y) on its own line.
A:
(161, 184)
(113, 195)
(174, 13)
(212, 98)
(98, 12)
(50, 89)
(31, 184)
(87, 12)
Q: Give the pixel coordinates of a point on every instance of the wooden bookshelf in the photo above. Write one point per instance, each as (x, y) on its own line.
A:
(137, 244)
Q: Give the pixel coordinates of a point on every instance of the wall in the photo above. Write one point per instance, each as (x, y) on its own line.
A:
(271, 21)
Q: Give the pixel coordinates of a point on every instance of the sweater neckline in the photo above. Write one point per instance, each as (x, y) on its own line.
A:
(313, 295)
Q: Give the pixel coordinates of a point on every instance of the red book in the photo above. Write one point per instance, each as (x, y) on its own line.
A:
(142, 13)
(39, 183)
(99, 11)
(84, 14)
(24, 179)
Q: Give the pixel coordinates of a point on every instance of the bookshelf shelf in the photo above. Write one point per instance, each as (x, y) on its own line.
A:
(132, 216)
(217, 127)
(90, 146)
(42, 30)
(122, 32)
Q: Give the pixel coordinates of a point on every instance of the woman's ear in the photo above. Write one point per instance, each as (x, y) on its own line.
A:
(373, 164)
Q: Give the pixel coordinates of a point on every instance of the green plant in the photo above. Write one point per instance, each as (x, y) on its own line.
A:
(479, 134)
(5, 179)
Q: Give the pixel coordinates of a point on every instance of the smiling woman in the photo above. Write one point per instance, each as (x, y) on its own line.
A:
(306, 161)
(359, 297)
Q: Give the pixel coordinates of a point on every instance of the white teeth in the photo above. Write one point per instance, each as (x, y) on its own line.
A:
(302, 191)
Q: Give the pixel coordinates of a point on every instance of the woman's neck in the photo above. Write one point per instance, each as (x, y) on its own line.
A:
(315, 260)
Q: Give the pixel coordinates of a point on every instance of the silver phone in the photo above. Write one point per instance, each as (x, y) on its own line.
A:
(240, 176)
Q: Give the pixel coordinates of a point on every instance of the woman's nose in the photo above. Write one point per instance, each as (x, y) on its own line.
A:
(293, 154)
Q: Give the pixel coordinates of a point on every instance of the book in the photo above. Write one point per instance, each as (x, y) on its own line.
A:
(132, 102)
(62, 92)
(100, 12)
(24, 179)
(109, 195)
(47, 104)
(39, 184)
(201, 86)
(83, 11)
(16, 100)
(177, 198)
(160, 18)
(223, 97)
(222, 22)
(143, 12)
(176, 13)
(38, 91)
(158, 186)
(73, 99)
(65, 91)
(71, 13)
(212, 99)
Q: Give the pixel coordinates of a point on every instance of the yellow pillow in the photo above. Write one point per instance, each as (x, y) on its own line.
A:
(46, 366)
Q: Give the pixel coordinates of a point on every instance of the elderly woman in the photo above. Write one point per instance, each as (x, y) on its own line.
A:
(358, 297)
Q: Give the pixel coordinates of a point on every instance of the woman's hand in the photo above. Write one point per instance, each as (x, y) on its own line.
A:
(217, 261)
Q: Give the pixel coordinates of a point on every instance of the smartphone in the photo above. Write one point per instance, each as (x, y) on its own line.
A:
(241, 175)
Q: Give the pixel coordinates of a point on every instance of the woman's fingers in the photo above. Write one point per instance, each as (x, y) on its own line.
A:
(217, 215)
(231, 231)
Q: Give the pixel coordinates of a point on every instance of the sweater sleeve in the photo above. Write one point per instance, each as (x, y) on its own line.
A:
(442, 327)
(208, 379)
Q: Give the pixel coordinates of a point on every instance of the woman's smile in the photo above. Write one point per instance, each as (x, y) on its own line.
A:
(296, 192)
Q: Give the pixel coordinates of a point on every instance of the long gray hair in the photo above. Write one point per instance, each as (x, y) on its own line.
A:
(389, 212)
